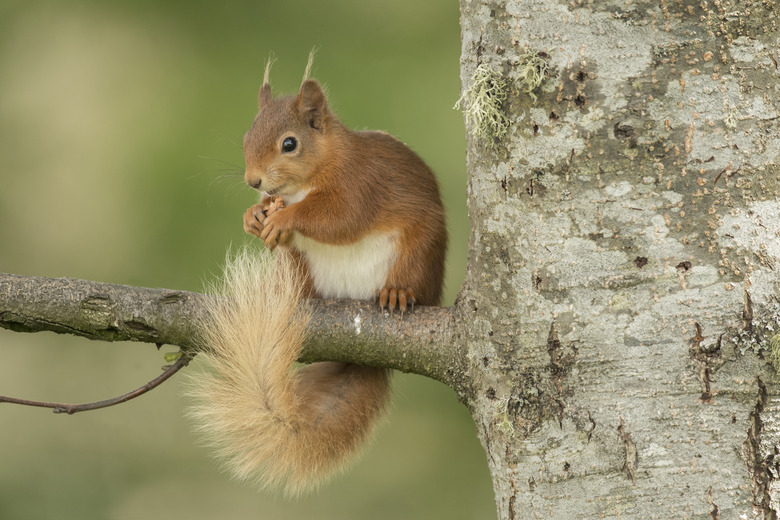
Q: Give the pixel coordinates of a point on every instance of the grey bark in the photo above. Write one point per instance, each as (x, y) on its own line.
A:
(611, 338)
(623, 266)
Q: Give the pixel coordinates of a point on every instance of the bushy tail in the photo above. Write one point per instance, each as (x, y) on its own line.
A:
(270, 423)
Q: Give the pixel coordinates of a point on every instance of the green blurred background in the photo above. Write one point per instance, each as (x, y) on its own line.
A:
(120, 160)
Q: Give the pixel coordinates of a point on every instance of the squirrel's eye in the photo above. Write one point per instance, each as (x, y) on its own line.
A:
(289, 144)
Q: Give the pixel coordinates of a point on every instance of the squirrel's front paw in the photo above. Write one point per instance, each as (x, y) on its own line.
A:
(276, 230)
(389, 297)
(255, 216)
(253, 220)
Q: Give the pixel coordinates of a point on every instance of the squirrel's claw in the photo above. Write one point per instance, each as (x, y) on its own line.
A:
(393, 298)
(409, 295)
(402, 301)
(381, 296)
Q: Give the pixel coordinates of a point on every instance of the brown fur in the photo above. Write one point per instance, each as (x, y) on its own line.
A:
(361, 182)
(293, 428)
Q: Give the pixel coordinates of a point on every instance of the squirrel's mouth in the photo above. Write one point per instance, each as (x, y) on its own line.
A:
(274, 192)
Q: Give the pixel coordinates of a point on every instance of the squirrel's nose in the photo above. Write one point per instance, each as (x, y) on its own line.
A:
(254, 181)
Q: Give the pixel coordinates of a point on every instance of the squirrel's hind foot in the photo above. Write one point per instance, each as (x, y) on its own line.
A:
(391, 298)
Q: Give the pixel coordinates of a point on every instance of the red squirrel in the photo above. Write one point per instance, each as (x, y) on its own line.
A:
(360, 217)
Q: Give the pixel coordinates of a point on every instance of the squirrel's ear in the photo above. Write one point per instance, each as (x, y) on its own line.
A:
(264, 95)
(311, 104)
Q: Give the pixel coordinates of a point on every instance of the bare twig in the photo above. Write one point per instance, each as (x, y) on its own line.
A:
(70, 409)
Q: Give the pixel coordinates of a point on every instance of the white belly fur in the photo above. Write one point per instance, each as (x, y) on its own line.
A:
(352, 271)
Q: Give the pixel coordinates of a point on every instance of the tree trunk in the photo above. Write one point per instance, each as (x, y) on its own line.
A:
(623, 272)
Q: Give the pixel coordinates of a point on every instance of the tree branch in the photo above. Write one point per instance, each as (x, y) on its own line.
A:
(421, 342)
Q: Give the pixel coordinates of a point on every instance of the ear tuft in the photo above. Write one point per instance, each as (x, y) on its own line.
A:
(312, 105)
(265, 91)
(309, 63)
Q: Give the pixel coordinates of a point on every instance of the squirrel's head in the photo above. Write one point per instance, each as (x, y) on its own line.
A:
(288, 140)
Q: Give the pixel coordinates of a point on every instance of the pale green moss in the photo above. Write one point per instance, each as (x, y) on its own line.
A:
(482, 104)
(502, 417)
(730, 120)
(774, 351)
(532, 71)
(763, 335)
